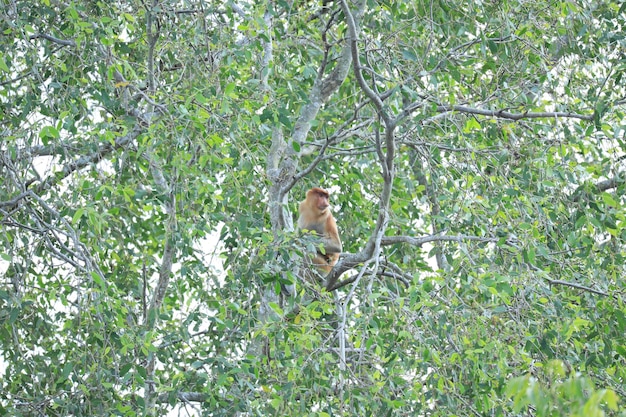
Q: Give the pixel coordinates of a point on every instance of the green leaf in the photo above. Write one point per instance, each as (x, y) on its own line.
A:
(3, 65)
(229, 90)
(47, 133)
(77, 215)
(609, 200)
(276, 308)
(407, 54)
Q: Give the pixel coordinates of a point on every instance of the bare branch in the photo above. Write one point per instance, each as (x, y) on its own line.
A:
(388, 269)
(419, 241)
(608, 184)
(577, 286)
(503, 114)
(353, 39)
(86, 160)
(165, 272)
(322, 89)
(343, 283)
(53, 39)
(351, 261)
(13, 202)
(374, 243)
(339, 133)
(599, 187)
(80, 251)
(311, 166)
(281, 163)
(185, 397)
(11, 81)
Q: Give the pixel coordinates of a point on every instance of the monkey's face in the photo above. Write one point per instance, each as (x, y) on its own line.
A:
(322, 202)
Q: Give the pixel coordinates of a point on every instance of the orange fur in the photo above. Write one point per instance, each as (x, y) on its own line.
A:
(315, 216)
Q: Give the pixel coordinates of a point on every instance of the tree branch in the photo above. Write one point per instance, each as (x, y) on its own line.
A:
(608, 184)
(356, 62)
(574, 285)
(419, 241)
(53, 39)
(503, 114)
(599, 187)
(373, 245)
(282, 166)
(93, 158)
(184, 396)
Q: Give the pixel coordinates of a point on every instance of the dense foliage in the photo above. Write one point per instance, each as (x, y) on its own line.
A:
(153, 153)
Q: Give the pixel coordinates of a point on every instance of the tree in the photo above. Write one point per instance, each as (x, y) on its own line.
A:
(474, 152)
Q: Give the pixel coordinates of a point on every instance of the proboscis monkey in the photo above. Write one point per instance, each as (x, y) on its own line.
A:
(315, 216)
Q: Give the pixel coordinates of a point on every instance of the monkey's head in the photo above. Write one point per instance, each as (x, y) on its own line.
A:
(319, 197)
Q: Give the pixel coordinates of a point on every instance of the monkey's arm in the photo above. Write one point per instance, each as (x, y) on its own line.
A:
(326, 245)
(332, 245)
